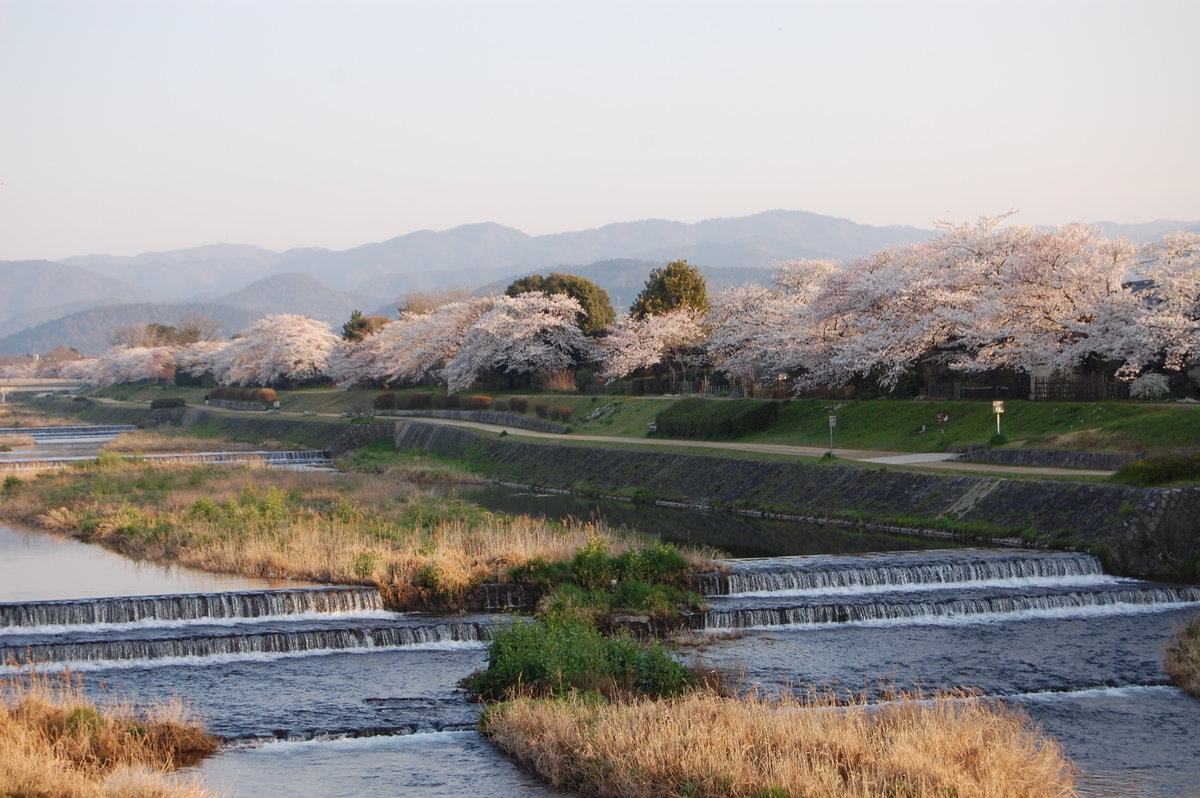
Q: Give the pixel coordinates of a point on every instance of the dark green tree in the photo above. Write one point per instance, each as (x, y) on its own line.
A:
(360, 326)
(675, 286)
(598, 311)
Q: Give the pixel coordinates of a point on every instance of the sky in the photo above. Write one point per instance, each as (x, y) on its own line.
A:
(129, 126)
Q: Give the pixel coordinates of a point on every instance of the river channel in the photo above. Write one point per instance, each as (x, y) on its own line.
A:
(321, 692)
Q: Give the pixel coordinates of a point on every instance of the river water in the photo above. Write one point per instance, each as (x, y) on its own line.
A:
(324, 693)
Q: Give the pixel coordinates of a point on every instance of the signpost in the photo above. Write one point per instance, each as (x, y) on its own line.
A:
(943, 418)
(832, 424)
(998, 409)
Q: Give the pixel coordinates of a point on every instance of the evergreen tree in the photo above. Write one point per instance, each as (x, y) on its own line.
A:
(675, 286)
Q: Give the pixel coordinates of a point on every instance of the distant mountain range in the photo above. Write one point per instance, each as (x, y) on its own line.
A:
(45, 304)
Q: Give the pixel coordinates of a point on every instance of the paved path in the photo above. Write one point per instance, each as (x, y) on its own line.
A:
(910, 459)
(927, 460)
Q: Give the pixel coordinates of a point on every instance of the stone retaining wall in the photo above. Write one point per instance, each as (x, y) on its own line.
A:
(1140, 531)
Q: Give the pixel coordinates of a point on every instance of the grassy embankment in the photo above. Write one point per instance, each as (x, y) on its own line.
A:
(386, 529)
(893, 425)
(54, 741)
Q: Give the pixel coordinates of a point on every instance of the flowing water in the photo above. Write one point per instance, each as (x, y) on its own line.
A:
(322, 692)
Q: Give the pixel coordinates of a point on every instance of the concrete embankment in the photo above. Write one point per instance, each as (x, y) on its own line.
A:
(1148, 532)
(1145, 532)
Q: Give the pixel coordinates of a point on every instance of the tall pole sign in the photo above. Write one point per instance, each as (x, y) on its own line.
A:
(832, 424)
(998, 409)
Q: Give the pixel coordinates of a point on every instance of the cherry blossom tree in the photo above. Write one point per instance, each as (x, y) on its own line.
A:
(530, 333)
(281, 348)
(674, 338)
(418, 346)
(135, 363)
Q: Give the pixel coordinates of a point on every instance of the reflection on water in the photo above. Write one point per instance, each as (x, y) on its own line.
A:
(39, 566)
(739, 536)
(432, 765)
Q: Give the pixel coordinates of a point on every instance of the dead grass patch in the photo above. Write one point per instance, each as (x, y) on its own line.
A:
(322, 527)
(54, 741)
(1183, 658)
(709, 746)
(145, 441)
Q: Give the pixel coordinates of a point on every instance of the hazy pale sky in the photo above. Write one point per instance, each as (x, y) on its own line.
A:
(148, 125)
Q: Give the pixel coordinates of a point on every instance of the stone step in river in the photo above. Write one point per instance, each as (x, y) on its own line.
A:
(137, 631)
(906, 586)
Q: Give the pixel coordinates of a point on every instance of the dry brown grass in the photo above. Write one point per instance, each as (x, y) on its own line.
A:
(1183, 658)
(144, 441)
(56, 742)
(18, 415)
(322, 527)
(709, 746)
(17, 440)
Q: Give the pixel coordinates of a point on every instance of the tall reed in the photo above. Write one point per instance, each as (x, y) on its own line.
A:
(54, 741)
(709, 746)
(1183, 658)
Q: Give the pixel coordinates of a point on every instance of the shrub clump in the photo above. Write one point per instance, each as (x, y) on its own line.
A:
(1183, 658)
(518, 404)
(1160, 469)
(708, 419)
(167, 403)
(481, 403)
(595, 585)
(231, 394)
(558, 655)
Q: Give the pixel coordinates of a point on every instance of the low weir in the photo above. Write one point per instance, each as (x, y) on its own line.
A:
(141, 629)
(894, 569)
(75, 431)
(302, 457)
(188, 607)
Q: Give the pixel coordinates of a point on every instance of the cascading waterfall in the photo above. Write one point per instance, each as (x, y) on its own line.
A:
(188, 606)
(77, 431)
(288, 458)
(282, 642)
(902, 568)
(829, 589)
(197, 625)
(882, 608)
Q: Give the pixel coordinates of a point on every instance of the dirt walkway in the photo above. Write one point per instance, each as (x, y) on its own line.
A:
(941, 462)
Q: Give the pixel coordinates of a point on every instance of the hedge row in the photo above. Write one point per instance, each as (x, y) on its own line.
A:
(713, 419)
(264, 395)
(164, 404)
(421, 400)
(1161, 469)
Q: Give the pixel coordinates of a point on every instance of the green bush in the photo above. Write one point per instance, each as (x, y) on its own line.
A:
(385, 401)
(558, 655)
(710, 419)
(518, 404)
(542, 409)
(422, 400)
(1160, 469)
(164, 404)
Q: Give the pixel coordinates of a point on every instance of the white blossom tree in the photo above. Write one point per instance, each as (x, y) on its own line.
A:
(530, 333)
(419, 346)
(284, 347)
(122, 364)
(675, 338)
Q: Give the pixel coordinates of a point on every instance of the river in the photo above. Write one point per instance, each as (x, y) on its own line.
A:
(324, 693)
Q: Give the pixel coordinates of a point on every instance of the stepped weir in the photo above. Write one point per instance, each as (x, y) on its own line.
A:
(930, 586)
(148, 628)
